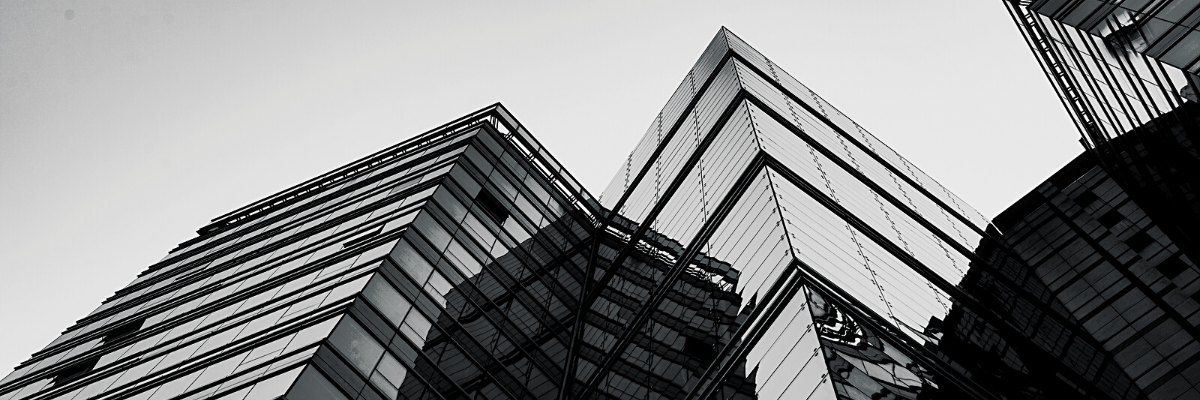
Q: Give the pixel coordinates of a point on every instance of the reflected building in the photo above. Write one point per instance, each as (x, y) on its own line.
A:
(1125, 72)
(756, 244)
(1102, 263)
(1113, 235)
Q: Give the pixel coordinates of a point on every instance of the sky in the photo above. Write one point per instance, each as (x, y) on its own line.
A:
(125, 126)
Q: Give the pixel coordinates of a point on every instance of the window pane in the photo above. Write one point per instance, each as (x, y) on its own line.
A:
(390, 303)
(313, 386)
(356, 345)
(416, 327)
(411, 262)
(391, 369)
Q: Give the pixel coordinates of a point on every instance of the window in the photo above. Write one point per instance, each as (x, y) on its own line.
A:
(387, 300)
(1172, 267)
(312, 385)
(1086, 198)
(411, 263)
(1111, 218)
(1139, 241)
(438, 287)
(359, 347)
(75, 371)
(274, 387)
(492, 207)
(122, 331)
(389, 375)
(416, 328)
(696, 348)
(362, 237)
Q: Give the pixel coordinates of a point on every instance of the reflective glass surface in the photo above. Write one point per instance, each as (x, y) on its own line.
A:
(757, 243)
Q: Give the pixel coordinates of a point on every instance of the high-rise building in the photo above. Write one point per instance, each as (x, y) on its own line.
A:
(1114, 234)
(756, 243)
(441, 267)
(1125, 72)
(1110, 267)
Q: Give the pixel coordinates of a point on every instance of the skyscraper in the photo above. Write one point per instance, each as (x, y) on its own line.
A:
(361, 274)
(1110, 267)
(1125, 72)
(756, 243)
(1115, 233)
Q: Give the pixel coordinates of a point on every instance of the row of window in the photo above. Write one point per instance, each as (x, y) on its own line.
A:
(1075, 246)
(217, 330)
(327, 197)
(399, 310)
(236, 278)
(434, 283)
(481, 238)
(216, 292)
(303, 228)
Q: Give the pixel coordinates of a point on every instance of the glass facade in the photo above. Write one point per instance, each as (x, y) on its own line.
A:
(1112, 235)
(756, 243)
(444, 265)
(1110, 269)
(1166, 30)
(1126, 73)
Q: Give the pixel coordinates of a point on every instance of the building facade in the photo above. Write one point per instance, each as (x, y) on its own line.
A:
(1125, 71)
(356, 284)
(1110, 267)
(756, 243)
(1113, 235)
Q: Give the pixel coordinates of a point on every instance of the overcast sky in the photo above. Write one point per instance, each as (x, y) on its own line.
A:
(125, 126)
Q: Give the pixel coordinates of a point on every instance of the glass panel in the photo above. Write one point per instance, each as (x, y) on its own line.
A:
(273, 387)
(312, 385)
(358, 346)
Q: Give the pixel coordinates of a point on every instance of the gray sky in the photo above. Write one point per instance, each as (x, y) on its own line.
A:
(125, 126)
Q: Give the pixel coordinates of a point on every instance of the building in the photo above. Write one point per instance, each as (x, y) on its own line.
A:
(1125, 72)
(333, 271)
(756, 243)
(1110, 267)
(1163, 30)
(1114, 234)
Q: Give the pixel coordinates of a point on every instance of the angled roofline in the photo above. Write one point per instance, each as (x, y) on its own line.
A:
(495, 115)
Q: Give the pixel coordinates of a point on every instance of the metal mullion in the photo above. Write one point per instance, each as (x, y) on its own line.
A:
(575, 190)
(451, 129)
(1137, 83)
(757, 324)
(812, 112)
(1180, 24)
(1131, 152)
(475, 362)
(237, 246)
(953, 291)
(524, 337)
(582, 309)
(670, 191)
(1105, 67)
(924, 223)
(1075, 54)
(666, 139)
(1126, 273)
(1169, 93)
(225, 301)
(1085, 80)
(1055, 81)
(692, 249)
(522, 285)
(587, 296)
(862, 314)
(1097, 10)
